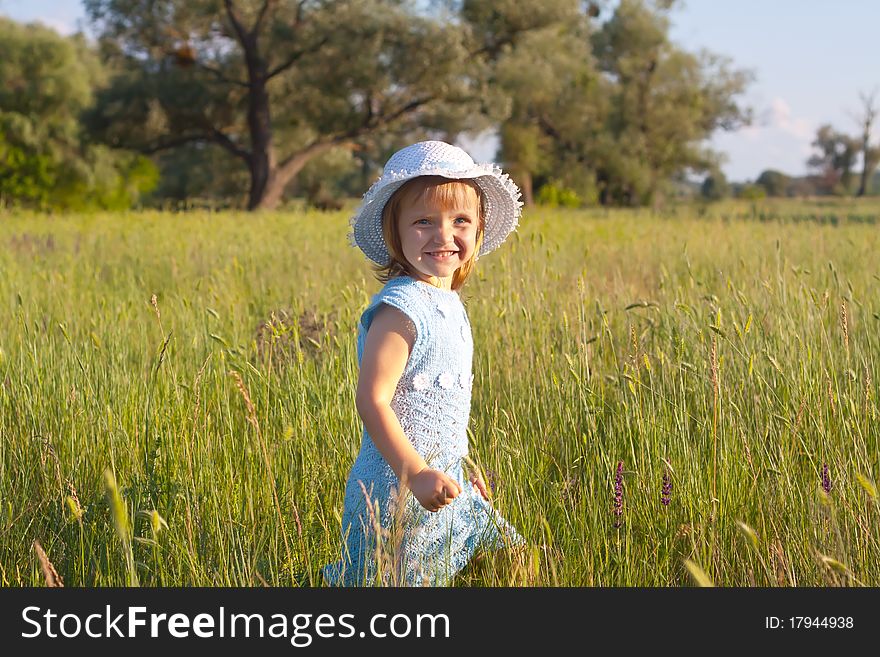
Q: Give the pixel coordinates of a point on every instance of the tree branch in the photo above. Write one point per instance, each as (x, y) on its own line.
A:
(220, 75)
(292, 161)
(390, 118)
(164, 145)
(260, 17)
(213, 135)
(224, 140)
(370, 101)
(292, 164)
(550, 130)
(489, 49)
(236, 24)
(493, 48)
(295, 56)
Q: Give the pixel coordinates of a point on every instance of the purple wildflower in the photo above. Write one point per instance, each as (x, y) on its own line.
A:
(667, 489)
(826, 478)
(618, 494)
(490, 480)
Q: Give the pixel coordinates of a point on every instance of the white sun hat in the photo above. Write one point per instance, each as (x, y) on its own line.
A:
(501, 204)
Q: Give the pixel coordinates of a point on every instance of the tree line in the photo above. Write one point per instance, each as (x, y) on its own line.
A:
(837, 152)
(841, 165)
(250, 102)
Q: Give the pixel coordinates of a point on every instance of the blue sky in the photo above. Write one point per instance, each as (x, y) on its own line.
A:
(810, 59)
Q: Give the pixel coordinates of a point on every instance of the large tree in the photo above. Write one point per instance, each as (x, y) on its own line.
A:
(46, 81)
(278, 83)
(538, 70)
(614, 106)
(775, 183)
(559, 105)
(836, 156)
(273, 83)
(666, 102)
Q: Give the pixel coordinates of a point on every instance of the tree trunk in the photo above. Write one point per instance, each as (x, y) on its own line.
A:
(280, 177)
(273, 191)
(602, 182)
(867, 121)
(527, 190)
(260, 128)
(863, 183)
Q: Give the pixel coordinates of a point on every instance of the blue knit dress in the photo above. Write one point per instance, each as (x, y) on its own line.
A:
(391, 539)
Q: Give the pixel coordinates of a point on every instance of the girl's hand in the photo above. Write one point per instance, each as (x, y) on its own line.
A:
(477, 481)
(433, 489)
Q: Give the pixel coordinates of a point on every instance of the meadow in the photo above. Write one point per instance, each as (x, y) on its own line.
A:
(660, 399)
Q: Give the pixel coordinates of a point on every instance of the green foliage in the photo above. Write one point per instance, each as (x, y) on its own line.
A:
(524, 151)
(618, 104)
(26, 174)
(46, 82)
(328, 178)
(558, 101)
(311, 77)
(665, 102)
(611, 110)
(775, 183)
(552, 195)
(715, 187)
(752, 192)
(198, 173)
(836, 156)
(116, 180)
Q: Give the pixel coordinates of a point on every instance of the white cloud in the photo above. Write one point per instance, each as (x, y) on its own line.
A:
(776, 140)
(782, 119)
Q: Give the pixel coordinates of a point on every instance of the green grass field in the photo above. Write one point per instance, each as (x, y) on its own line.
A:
(735, 348)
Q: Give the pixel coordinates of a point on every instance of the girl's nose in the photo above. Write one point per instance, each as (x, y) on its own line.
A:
(445, 233)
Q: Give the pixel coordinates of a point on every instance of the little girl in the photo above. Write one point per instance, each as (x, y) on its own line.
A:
(424, 222)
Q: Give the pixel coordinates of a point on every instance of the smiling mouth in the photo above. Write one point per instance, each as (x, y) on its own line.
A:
(441, 254)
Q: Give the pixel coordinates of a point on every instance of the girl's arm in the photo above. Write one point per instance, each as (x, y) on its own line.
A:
(386, 351)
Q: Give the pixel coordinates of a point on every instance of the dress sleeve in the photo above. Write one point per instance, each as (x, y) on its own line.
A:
(408, 301)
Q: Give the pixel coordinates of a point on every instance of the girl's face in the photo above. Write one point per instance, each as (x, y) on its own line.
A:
(438, 238)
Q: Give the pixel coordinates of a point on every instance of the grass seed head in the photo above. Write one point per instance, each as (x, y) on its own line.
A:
(53, 579)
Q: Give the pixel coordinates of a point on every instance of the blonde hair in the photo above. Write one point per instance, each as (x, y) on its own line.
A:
(442, 192)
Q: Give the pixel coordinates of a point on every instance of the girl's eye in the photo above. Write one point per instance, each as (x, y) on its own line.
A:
(423, 221)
